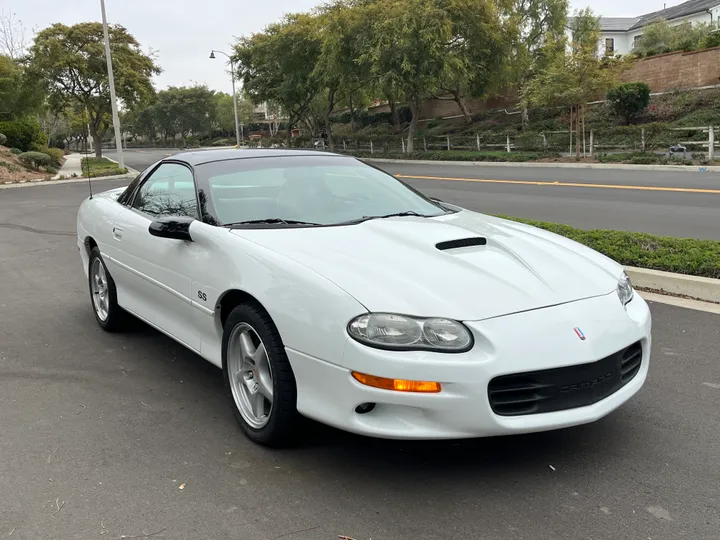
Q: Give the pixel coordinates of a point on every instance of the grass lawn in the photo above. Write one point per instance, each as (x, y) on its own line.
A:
(101, 167)
(680, 255)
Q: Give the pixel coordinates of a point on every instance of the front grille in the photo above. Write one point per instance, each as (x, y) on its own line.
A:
(564, 388)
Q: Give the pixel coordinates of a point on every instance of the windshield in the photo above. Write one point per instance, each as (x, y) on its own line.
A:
(311, 190)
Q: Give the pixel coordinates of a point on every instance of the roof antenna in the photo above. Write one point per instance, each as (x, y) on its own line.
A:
(87, 136)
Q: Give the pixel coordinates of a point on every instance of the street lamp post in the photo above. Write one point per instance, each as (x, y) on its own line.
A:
(113, 99)
(232, 73)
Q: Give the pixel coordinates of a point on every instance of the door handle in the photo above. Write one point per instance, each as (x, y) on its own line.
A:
(117, 233)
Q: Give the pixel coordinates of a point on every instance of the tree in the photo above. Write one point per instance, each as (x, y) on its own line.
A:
(478, 46)
(278, 65)
(13, 42)
(20, 94)
(407, 51)
(660, 37)
(342, 29)
(536, 28)
(576, 75)
(72, 60)
(187, 109)
(225, 114)
(627, 100)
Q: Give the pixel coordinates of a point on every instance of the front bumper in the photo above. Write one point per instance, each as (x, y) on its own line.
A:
(524, 342)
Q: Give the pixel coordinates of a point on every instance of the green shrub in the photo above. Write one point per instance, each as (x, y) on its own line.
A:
(55, 154)
(627, 100)
(10, 167)
(23, 134)
(461, 155)
(35, 159)
(15, 151)
(638, 158)
(3, 139)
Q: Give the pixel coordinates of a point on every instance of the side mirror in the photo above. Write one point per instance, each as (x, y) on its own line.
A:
(175, 227)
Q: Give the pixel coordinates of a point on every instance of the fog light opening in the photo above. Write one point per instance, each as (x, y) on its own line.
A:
(364, 408)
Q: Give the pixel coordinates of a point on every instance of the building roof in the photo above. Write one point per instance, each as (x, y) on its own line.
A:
(618, 24)
(623, 24)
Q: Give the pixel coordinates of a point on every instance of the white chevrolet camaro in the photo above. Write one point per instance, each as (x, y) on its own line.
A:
(328, 289)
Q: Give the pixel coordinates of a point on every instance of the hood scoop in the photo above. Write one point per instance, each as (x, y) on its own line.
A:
(461, 243)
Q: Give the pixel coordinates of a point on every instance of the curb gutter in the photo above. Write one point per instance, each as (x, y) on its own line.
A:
(30, 183)
(700, 288)
(532, 164)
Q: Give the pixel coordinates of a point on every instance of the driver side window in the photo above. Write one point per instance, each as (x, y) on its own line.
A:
(169, 191)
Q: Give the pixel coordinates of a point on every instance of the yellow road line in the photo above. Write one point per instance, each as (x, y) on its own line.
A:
(563, 184)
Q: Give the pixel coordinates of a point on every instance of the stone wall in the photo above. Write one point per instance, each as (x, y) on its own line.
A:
(663, 73)
(677, 70)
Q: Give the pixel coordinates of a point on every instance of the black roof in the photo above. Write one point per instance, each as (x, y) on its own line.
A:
(623, 24)
(681, 10)
(198, 157)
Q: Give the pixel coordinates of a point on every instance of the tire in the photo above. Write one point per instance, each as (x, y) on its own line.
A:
(111, 317)
(278, 422)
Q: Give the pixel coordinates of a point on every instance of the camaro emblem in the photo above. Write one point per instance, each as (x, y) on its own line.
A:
(579, 333)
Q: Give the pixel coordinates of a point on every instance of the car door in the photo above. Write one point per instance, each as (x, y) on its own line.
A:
(154, 280)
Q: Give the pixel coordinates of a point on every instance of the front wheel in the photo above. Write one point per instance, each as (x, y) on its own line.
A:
(258, 377)
(103, 294)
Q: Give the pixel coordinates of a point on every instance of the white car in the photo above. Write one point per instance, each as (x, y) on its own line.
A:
(328, 289)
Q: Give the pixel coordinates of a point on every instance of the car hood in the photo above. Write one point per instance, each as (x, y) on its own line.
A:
(393, 264)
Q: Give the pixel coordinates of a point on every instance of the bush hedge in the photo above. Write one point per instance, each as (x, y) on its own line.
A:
(55, 154)
(680, 255)
(3, 139)
(460, 155)
(35, 159)
(23, 134)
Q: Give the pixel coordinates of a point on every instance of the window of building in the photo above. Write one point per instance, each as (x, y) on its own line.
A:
(609, 46)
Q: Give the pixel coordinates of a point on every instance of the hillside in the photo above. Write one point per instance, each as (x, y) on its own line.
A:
(676, 109)
(13, 170)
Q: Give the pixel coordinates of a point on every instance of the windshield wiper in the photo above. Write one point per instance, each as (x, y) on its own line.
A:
(397, 214)
(269, 221)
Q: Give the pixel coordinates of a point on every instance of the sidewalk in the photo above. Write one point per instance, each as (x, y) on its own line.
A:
(71, 167)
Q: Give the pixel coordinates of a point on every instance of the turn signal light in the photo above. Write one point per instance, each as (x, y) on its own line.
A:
(398, 385)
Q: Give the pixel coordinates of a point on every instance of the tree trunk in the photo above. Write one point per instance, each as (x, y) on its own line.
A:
(525, 118)
(415, 107)
(577, 131)
(288, 137)
(457, 98)
(352, 117)
(394, 114)
(97, 140)
(328, 112)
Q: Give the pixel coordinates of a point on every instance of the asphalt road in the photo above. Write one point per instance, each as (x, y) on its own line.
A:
(99, 433)
(680, 204)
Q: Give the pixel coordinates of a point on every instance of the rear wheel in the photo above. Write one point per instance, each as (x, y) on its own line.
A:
(103, 294)
(258, 377)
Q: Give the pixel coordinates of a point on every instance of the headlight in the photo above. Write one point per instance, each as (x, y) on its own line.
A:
(625, 289)
(403, 333)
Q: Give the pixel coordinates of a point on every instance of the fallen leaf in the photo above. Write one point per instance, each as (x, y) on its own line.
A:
(182, 486)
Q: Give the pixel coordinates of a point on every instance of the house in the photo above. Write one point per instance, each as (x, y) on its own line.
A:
(619, 34)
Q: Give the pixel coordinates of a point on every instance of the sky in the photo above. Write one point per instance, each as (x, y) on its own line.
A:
(183, 32)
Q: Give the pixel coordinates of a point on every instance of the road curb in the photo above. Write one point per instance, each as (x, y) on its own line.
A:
(700, 288)
(78, 180)
(545, 165)
(130, 170)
